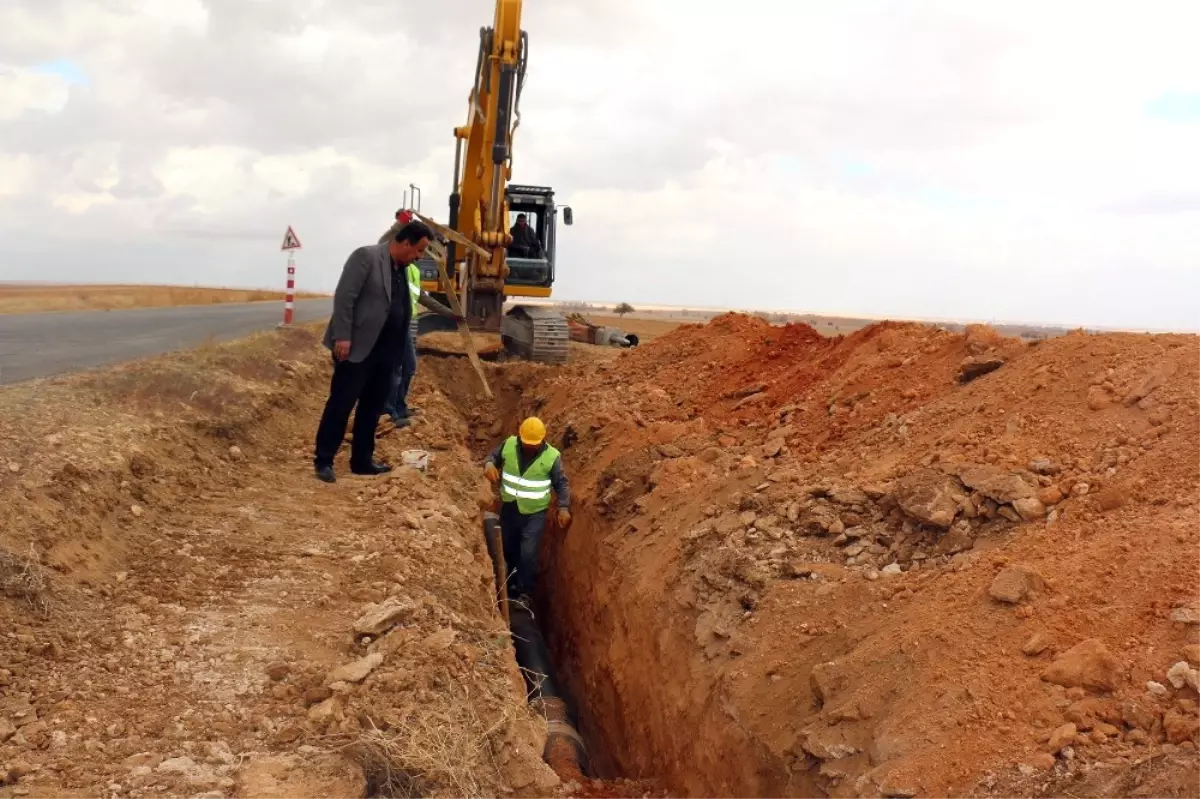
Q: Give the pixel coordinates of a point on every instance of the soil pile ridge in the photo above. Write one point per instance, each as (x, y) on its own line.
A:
(900, 562)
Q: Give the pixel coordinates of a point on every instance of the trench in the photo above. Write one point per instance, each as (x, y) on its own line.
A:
(566, 751)
(627, 701)
(571, 751)
(646, 701)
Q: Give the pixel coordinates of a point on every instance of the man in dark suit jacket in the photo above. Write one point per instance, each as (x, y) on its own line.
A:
(367, 333)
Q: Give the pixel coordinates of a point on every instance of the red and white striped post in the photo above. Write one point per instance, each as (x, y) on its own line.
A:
(290, 244)
(289, 302)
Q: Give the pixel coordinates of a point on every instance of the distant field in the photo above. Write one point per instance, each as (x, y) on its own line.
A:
(646, 327)
(647, 322)
(828, 325)
(650, 324)
(29, 298)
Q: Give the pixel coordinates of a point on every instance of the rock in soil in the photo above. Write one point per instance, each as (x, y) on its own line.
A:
(1061, 737)
(1014, 584)
(383, 617)
(356, 671)
(1087, 665)
(977, 366)
(1186, 614)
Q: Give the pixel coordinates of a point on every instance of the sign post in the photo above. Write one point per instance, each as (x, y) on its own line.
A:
(290, 244)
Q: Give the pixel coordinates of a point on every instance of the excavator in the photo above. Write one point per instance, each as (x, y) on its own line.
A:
(482, 201)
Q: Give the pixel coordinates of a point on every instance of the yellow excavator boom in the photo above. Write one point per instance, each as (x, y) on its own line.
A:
(483, 274)
(483, 161)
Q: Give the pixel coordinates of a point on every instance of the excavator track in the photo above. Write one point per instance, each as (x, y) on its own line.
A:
(536, 334)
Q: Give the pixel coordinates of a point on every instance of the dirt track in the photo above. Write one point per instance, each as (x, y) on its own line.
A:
(181, 591)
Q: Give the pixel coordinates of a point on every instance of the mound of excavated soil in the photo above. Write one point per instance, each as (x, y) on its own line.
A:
(903, 562)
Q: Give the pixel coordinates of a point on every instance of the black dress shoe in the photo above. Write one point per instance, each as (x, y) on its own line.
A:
(375, 468)
(325, 474)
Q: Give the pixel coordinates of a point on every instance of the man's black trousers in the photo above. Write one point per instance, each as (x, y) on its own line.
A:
(367, 385)
(522, 539)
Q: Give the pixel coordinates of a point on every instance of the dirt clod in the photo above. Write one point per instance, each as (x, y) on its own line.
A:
(1036, 645)
(1061, 737)
(1014, 584)
(977, 366)
(383, 617)
(278, 671)
(1186, 614)
(1087, 665)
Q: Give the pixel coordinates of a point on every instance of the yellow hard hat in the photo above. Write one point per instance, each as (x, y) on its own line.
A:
(533, 432)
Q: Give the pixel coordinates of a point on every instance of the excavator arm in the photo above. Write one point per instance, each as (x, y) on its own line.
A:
(476, 257)
(483, 165)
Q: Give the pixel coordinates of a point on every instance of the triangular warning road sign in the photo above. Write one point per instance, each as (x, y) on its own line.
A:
(290, 242)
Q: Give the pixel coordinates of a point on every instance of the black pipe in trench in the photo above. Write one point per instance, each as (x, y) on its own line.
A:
(534, 659)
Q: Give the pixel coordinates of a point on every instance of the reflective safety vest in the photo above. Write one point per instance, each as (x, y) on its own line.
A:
(414, 286)
(531, 491)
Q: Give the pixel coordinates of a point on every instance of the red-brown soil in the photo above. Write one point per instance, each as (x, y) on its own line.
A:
(800, 566)
(722, 607)
(178, 593)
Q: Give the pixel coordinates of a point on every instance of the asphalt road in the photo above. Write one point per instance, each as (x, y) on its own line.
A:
(40, 345)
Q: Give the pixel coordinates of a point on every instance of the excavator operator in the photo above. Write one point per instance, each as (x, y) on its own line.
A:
(525, 242)
(526, 469)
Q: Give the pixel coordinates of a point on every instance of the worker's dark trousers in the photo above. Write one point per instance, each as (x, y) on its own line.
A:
(522, 536)
(402, 377)
(366, 385)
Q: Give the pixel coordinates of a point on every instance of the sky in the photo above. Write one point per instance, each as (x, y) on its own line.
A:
(1015, 161)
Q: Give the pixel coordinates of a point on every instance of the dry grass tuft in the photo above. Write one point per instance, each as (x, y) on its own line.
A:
(23, 578)
(429, 754)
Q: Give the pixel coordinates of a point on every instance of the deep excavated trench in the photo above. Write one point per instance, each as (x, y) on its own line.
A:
(627, 673)
(566, 751)
(649, 706)
(573, 747)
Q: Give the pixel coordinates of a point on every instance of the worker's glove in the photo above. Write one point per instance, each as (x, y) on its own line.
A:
(564, 518)
(491, 473)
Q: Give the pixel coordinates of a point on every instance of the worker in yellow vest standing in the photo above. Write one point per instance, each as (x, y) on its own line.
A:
(527, 469)
(406, 364)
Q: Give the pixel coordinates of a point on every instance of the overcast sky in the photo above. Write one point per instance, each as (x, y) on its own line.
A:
(1026, 161)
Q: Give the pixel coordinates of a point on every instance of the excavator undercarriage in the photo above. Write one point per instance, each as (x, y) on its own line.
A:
(536, 334)
(527, 331)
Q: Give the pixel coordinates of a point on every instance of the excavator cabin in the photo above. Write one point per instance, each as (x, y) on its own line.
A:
(531, 270)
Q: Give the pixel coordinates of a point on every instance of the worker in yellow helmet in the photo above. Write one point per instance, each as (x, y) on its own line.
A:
(527, 469)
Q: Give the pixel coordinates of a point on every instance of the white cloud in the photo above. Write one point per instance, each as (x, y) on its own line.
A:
(23, 91)
(16, 175)
(81, 202)
(907, 158)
